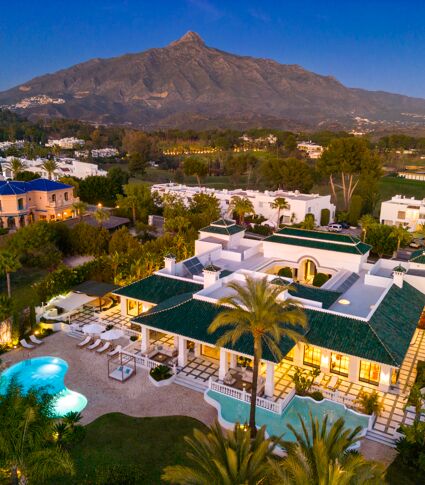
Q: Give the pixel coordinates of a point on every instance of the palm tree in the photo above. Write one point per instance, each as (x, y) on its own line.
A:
(401, 234)
(321, 455)
(101, 215)
(255, 310)
(50, 166)
(129, 202)
(27, 447)
(242, 206)
(223, 457)
(280, 203)
(16, 166)
(9, 263)
(365, 223)
(80, 208)
(415, 400)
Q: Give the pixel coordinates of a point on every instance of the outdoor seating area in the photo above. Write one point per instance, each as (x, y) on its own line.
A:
(162, 354)
(241, 378)
(35, 342)
(121, 367)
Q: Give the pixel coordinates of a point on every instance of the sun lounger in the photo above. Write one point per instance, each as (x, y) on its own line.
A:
(332, 383)
(26, 345)
(229, 379)
(95, 344)
(84, 342)
(35, 340)
(319, 379)
(104, 348)
(116, 351)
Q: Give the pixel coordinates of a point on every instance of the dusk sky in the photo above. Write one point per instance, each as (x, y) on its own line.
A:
(375, 44)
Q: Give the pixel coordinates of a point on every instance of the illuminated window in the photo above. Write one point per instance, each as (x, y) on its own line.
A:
(290, 354)
(312, 356)
(394, 376)
(65, 195)
(211, 352)
(369, 372)
(20, 204)
(134, 308)
(339, 364)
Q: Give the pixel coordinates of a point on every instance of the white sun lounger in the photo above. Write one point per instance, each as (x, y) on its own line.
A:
(332, 383)
(116, 351)
(35, 340)
(104, 347)
(84, 342)
(95, 345)
(319, 379)
(26, 345)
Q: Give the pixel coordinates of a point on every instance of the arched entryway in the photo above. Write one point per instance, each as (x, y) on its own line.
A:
(307, 271)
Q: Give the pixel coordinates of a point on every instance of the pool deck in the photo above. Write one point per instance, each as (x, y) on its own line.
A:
(88, 374)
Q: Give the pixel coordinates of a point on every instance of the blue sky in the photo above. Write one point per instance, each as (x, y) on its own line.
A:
(375, 44)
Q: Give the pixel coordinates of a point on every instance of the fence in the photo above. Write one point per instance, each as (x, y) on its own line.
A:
(142, 361)
(274, 407)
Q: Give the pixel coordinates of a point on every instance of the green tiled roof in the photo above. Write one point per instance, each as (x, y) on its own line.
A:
(355, 248)
(322, 235)
(226, 231)
(418, 256)
(155, 289)
(385, 338)
(224, 222)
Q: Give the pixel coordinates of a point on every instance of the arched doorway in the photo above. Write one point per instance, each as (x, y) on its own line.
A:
(11, 224)
(307, 271)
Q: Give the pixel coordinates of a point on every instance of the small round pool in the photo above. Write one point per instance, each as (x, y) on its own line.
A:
(46, 373)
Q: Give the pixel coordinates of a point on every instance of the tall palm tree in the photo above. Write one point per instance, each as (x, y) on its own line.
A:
(80, 208)
(129, 202)
(9, 263)
(16, 166)
(401, 234)
(50, 166)
(280, 203)
(242, 206)
(365, 223)
(26, 430)
(254, 309)
(321, 455)
(223, 457)
(101, 215)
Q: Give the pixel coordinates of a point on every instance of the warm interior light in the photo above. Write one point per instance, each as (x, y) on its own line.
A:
(344, 301)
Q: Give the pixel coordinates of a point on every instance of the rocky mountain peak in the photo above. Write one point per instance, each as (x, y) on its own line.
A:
(189, 38)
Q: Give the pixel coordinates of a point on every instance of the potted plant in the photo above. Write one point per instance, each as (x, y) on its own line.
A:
(161, 376)
(369, 403)
(304, 379)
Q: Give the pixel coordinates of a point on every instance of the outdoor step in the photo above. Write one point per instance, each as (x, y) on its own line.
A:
(76, 335)
(193, 384)
(382, 438)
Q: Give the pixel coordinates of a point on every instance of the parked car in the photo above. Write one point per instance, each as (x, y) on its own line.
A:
(344, 225)
(416, 244)
(335, 227)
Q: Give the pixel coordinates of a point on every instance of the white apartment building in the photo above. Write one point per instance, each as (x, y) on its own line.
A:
(413, 175)
(66, 143)
(4, 145)
(67, 167)
(299, 204)
(312, 149)
(405, 211)
(104, 152)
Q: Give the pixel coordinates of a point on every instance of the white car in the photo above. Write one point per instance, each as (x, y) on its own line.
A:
(335, 227)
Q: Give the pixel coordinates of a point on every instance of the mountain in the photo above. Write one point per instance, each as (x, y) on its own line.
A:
(188, 84)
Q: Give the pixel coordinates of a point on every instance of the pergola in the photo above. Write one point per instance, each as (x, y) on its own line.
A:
(97, 289)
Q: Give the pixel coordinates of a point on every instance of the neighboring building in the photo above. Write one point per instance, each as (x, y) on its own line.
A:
(66, 143)
(299, 204)
(39, 199)
(104, 152)
(66, 167)
(404, 211)
(312, 149)
(420, 175)
(356, 333)
(4, 145)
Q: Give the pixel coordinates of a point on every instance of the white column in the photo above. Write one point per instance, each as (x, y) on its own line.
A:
(233, 360)
(145, 339)
(123, 305)
(224, 364)
(385, 378)
(176, 341)
(353, 369)
(182, 358)
(298, 354)
(269, 389)
(325, 361)
(197, 349)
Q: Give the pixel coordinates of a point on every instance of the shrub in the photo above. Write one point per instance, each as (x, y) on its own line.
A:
(262, 230)
(308, 222)
(320, 279)
(420, 373)
(316, 395)
(325, 217)
(303, 380)
(133, 338)
(286, 272)
(355, 210)
(369, 403)
(160, 373)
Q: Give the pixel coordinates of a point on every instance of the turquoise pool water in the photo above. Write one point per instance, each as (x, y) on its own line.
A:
(47, 373)
(233, 410)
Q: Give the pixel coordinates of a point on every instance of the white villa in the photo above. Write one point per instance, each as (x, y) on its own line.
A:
(67, 143)
(313, 150)
(299, 204)
(405, 211)
(362, 323)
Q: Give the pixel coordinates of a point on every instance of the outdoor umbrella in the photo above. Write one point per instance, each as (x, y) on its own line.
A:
(93, 328)
(112, 334)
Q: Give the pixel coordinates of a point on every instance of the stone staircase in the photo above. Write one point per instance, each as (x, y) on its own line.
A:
(379, 437)
(76, 334)
(191, 383)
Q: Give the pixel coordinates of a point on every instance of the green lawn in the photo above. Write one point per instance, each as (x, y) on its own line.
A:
(114, 439)
(390, 186)
(399, 474)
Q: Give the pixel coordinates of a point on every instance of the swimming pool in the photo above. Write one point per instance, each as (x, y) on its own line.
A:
(48, 373)
(232, 410)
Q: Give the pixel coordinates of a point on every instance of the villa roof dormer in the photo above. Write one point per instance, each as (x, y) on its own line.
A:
(223, 227)
(329, 241)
